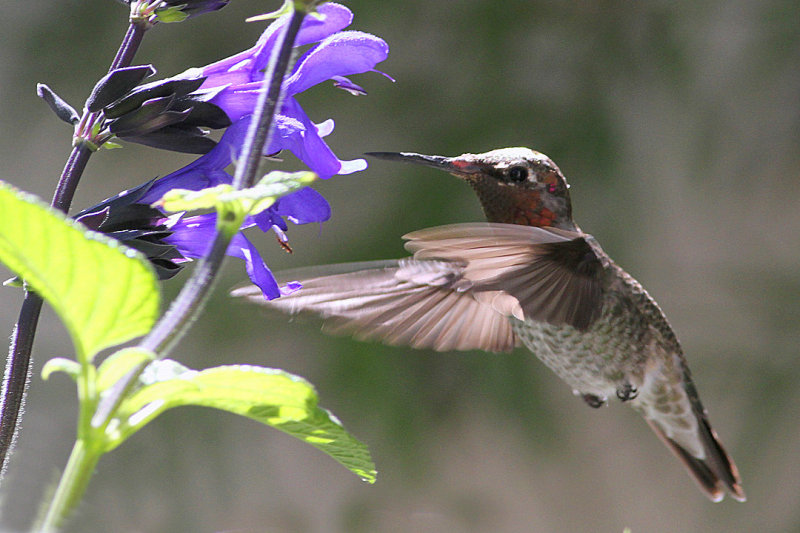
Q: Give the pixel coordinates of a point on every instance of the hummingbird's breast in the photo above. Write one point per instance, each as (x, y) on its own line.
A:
(616, 350)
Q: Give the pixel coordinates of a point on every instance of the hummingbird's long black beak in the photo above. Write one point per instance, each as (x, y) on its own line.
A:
(452, 165)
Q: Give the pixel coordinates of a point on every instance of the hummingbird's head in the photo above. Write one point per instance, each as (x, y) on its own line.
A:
(514, 185)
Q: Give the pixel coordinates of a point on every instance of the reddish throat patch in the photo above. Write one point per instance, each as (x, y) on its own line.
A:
(529, 211)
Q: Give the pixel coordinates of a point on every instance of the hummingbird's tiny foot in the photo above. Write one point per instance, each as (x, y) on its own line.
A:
(626, 392)
(594, 401)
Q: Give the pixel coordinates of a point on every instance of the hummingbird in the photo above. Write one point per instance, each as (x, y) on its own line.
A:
(528, 276)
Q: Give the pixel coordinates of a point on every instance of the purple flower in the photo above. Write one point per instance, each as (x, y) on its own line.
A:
(138, 225)
(192, 235)
(337, 54)
(169, 242)
(233, 84)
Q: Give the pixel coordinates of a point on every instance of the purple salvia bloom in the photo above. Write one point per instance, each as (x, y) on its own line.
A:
(337, 54)
(192, 235)
(207, 170)
(234, 84)
(171, 241)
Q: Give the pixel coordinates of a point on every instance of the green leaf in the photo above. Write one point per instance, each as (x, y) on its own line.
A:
(116, 365)
(61, 364)
(249, 201)
(286, 9)
(15, 282)
(105, 293)
(171, 14)
(272, 397)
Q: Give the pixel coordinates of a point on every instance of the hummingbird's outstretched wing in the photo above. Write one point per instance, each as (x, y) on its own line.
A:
(458, 290)
(402, 302)
(555, 275)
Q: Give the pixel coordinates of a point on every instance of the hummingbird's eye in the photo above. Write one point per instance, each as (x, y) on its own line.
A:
(517, 173)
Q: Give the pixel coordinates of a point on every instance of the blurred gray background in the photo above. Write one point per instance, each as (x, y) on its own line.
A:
(677, 125)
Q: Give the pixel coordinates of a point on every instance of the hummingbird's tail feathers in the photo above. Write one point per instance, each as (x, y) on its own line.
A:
(401, 302)
(669, 402)
(716, 472)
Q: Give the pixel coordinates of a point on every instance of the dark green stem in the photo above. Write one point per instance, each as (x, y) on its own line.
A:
(130, 44)
(72, 486)
(192, 298)
(17, 372)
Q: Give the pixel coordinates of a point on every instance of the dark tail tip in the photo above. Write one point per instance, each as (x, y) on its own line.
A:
(716, 473)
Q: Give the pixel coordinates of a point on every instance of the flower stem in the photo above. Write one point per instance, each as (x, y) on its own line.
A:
(72, 485)
(15, 378)
(129, 46)
(192, 298)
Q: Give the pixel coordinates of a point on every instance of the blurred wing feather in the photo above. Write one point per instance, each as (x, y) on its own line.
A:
(554, 275)
(403, 302)
(458, 290)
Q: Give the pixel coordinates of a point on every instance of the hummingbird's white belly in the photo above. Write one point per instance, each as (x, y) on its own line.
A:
(601, 361)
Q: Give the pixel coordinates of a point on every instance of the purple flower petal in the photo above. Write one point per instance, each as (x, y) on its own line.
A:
(340, 82)
(303, 207)
(335, 17)
(193, 236)
(354, 165)
(342, 54)
(313, 29)
(300, 207)
(325, 127)
(205, 171)
(249, 65)
(238, 100)
(236, 69)
(289, 288)
(306, 143)
(256, 269)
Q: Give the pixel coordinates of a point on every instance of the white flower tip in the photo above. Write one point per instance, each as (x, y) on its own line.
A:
(356, 165)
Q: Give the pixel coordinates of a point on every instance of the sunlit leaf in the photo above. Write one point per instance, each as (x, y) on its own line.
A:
(61, 364)
(171, 14)
(269, 396)
(286, 9)
(105, 293)
(116, 365)
(248, 201)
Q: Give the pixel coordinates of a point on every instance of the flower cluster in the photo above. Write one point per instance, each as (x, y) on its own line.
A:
(337, 54)
(233, 85)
